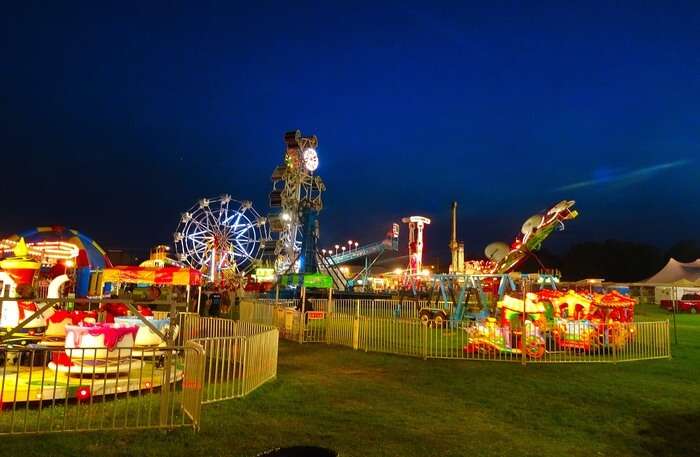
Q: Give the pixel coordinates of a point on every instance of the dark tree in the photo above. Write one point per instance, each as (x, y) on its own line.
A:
(537, 260)
(612, 260)
(684, 251)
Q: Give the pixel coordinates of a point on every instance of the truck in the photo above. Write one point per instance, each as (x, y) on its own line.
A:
(689, 303)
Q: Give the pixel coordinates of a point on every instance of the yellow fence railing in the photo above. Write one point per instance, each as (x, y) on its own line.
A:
(239, 356)
(58, 389)
(381, 327)
(45, 390)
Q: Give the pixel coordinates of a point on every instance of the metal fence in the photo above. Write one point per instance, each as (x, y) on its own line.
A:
(62, 389)
(379, 308)
(50, 388)
(364, 326)
(238, 356)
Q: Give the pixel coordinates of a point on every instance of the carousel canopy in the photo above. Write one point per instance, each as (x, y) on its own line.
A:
(167, 276)
(675, 271)
(89, 255)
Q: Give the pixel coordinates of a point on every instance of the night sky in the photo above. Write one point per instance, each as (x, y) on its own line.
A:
(117, 119)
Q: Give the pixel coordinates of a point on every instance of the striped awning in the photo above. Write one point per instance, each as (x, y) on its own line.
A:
(173, 276)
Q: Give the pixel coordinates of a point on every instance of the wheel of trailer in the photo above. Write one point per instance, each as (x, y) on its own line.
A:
(439, 319)
(425, 315)
(693, 310)
(534, 347)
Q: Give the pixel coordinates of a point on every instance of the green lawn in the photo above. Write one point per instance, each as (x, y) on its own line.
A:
(373, 404)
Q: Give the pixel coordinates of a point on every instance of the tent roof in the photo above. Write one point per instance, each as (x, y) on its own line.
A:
(675, 271)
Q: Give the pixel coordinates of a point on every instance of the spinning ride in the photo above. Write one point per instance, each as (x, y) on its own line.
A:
(295, 202)
(534, 231)
(220, 234)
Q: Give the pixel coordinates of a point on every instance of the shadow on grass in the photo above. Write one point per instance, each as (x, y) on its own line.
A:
(671, 434)
(300, 451)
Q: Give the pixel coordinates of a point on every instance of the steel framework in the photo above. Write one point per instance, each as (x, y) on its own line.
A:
(295, 202)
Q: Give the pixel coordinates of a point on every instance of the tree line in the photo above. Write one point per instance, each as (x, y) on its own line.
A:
(613, 260)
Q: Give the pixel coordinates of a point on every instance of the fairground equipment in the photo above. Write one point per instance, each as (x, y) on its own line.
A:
(533, 233)
(60, 250)
(456, 247)
(221, 234)
(369, 252)
(295, 202)
(416, 225)
(471, 296)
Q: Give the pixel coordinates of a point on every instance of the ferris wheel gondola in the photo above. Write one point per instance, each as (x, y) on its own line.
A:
(221, 234)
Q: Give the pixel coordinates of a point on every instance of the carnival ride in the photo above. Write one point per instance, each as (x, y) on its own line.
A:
(76, 353)
(295, 202)
(60, 250)
(514, 333)
(370, 252)
(416, 226)
(480, 282)
(220, 235)
(551, 321)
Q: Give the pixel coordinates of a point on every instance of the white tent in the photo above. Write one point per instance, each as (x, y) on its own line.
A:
(675, 280)
(676, 271)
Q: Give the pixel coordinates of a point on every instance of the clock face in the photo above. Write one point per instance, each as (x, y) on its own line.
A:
(310, 159)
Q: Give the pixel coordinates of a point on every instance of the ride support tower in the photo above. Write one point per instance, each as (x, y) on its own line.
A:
(416, 224)
(295, 202)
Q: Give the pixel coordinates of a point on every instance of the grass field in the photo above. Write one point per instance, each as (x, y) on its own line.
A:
(364, 404)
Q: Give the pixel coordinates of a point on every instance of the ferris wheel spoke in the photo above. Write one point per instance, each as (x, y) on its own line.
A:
(230, 225)
(201, 225)
(244, 234)
(198, 242)
(246, 245)
(196, 234)
(223, 211)
(239, 251)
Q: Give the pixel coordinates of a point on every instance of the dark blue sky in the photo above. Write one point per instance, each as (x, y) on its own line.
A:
(116, 119)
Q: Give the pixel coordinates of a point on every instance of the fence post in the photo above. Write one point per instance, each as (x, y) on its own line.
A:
(329, 315)
(668, 340)
(301, 315)
(424, 333)
(356, 326)
(613, 344)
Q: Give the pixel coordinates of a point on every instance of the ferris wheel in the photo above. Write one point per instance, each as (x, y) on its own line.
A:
(219, 234)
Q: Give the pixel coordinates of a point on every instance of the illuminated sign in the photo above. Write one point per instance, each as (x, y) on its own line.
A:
(265, 274)
(316, 315)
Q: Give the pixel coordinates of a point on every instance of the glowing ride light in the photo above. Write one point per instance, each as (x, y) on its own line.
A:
(51, 250)
(83, 393)
(310, 159)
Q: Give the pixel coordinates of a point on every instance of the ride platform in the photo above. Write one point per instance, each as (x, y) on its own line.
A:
(20, 383)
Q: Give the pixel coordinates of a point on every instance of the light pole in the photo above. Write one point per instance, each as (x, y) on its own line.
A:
(336, 249)
(349, 245)
(323, 251)
(343, 249)
(356, 245)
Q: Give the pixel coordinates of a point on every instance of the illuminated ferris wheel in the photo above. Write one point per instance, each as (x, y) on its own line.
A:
(219, 234)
